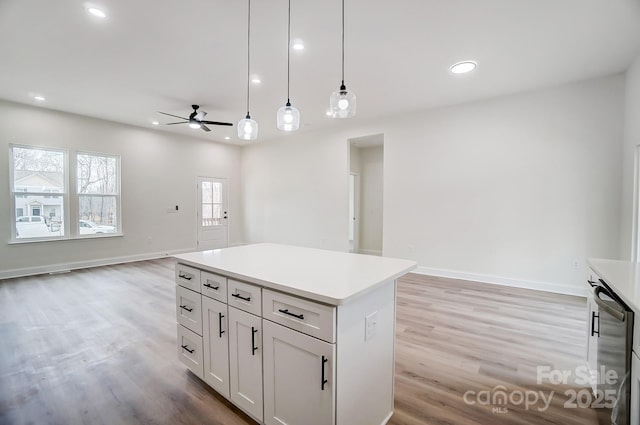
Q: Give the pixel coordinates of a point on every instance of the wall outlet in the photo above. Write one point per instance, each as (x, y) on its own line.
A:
(370, 325)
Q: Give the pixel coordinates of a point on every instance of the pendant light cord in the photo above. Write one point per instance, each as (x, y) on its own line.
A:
(343, 42)
(248, 55)
(288, 51)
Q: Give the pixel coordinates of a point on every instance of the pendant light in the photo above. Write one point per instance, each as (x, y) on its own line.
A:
(248, 128)
(342, 103)
(288, 117)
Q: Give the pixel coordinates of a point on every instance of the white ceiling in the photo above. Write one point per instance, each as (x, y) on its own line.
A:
(151, 55)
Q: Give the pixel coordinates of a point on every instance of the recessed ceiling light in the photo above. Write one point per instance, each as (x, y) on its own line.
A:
(97, 12)
(298, 45)
(256, 80)
(329, 113)
(227, 137)
(463, 67)
(155, 123)
(39, 98)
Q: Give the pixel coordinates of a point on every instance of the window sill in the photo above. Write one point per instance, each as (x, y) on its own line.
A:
(70, 238)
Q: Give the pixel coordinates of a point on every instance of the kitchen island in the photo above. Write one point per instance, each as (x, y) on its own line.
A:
(292, 335)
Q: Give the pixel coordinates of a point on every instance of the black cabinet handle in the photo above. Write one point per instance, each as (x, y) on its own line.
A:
(324, 381)
(184, 307)
(220, 316)
(592, 283)
(186, 347)
(184, 276)
(215, 288)
(247, 299)
(595, 317)
(287, 312)
(253, 341)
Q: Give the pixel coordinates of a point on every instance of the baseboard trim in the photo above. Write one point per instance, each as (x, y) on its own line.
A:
(66, 267)
(558, 288)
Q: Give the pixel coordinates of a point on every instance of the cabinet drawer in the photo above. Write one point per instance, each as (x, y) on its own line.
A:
(244, 296)
(214, 286)
(189, 309)
(190, 350)
(308, 317)
(188, 277)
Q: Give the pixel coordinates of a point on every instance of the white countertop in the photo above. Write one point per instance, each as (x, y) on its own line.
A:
(330, 277)
(623, 277)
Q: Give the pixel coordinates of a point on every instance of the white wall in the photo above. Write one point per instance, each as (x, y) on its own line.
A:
(295, 191)
(519, 189)
(159, 171)
(631, 141)
(371, 199)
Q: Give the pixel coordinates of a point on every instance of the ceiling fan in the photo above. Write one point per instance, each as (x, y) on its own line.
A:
(195, 120)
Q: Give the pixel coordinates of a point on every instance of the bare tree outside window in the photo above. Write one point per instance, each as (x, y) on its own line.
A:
(98, 193)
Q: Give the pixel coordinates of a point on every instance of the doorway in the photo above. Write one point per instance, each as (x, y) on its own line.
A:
(212, 213)
(366, 164)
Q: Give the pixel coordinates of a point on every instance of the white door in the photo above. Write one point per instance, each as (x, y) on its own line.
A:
(216, 345)
(299, 386)
(245, 361)
(212, 213)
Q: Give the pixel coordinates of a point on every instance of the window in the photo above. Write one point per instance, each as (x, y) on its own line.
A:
(40, 196)
(98, 186)
(34, 173)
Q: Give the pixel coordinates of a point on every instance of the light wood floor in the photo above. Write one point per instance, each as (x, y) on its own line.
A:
(97, 346)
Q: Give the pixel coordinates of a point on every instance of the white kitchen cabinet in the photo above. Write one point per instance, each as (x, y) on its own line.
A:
(216, 345)
(190, 350)
(325, 319)
(245, 361)
(299, 378)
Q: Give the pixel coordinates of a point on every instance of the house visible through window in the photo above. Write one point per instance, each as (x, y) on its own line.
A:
(35, 173)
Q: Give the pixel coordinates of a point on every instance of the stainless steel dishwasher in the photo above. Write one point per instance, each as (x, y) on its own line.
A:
(614, 355)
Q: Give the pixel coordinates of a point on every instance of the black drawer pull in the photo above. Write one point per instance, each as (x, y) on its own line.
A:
(592, 283)
(215, 288)
(594, 317)
(220, 331)
(186, 347)
(324, 381)
(253, 341)
(184, 276)
(287, 312)
(184, 307)
(247, 299)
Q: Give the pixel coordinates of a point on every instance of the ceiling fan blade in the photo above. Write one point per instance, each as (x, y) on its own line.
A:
(204, 127)
(216, 123)
(171, 115)
(200, 115)
(173, 123)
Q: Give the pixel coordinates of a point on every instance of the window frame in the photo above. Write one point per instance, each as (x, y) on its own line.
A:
(70, 197)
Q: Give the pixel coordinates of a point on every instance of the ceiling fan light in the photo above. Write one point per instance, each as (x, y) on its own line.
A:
(288, 118)
(194, 125)
(247, 129)
(342, 103)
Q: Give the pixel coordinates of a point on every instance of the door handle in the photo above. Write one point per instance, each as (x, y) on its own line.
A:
(253, 341)
(617, 314)
(324, 381)
(220, 331)
(595, 316)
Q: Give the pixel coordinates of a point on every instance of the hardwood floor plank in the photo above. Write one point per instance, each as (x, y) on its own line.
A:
(98, 346)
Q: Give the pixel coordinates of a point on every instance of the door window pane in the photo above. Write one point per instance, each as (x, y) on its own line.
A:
(207, 194)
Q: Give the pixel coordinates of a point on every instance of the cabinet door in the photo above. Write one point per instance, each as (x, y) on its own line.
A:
(299, 378)
(245, 361)
(216, 345)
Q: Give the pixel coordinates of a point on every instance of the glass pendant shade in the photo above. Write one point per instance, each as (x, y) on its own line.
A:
(342, 103)
(288, 118)
(247, 129)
